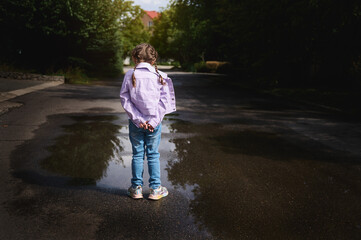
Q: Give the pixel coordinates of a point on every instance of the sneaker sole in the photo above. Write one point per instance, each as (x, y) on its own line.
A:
(158, 197)
(136, 196)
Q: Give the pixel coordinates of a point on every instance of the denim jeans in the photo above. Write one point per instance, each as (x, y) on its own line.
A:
(145, 142)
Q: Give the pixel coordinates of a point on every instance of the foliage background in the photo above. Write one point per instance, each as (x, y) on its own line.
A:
(57, 35)
(273, 43)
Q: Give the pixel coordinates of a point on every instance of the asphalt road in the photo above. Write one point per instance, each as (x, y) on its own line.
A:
(238, 165)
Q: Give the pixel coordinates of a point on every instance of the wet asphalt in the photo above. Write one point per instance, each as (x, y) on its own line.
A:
(238, 165)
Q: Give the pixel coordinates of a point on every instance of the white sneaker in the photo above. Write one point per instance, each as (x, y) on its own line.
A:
(135, 193)
(160, 192)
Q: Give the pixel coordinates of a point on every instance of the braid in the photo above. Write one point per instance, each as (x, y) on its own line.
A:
(133, 77)
(145, 53)
(161, 80)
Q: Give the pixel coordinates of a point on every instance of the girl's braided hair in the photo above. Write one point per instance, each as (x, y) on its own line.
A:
(145, 53)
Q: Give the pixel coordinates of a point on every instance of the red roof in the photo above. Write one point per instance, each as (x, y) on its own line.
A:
(152, 14)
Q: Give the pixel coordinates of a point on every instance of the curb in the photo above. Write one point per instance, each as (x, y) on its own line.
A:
(16, 93)
(31, 76)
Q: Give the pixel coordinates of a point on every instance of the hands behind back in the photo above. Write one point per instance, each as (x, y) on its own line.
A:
(146, 125)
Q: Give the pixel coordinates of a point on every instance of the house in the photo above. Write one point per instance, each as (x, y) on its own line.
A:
(148, 18)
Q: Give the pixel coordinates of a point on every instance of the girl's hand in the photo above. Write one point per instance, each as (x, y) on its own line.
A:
(146, 126)
(150, 128)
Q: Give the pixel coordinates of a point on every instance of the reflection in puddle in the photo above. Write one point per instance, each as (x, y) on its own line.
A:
(85, 150)
(95, 150)
(118, 176)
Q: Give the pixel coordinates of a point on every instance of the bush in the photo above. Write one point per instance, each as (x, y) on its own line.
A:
(4, 67)
(74, 76)
(201, 67)
(212, 67)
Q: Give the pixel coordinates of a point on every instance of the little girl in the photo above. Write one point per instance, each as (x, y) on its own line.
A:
(146, 95)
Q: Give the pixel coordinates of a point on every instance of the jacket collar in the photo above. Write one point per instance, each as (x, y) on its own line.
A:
(146, 65)
(150, 68)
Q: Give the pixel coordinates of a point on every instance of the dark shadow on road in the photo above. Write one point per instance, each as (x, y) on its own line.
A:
(259, 183)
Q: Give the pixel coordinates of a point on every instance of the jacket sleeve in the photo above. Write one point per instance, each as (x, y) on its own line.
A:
(166, 103)
(134, 114)
(161, 109)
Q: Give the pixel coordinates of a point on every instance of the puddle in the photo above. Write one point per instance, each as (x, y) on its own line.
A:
(85, 149)
(95, 150)
(119, 175)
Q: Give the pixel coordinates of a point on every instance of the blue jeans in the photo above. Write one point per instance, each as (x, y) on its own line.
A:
(145, 142)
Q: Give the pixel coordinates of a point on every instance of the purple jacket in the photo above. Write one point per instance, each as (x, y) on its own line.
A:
(149, 100)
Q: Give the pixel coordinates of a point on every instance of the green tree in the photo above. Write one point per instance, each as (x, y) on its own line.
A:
(180, 34)
(50, 35)
(274, 43)
(163, 35)
(131, 27)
